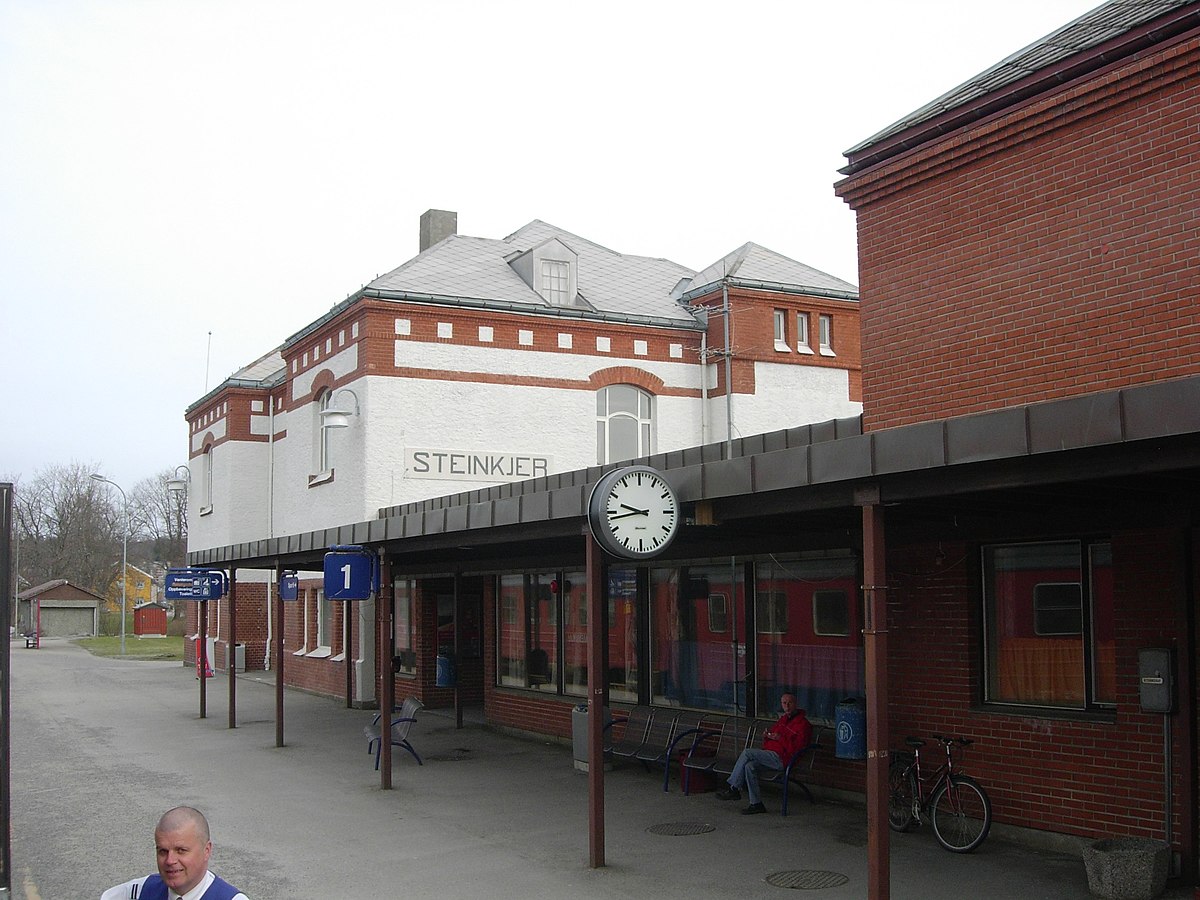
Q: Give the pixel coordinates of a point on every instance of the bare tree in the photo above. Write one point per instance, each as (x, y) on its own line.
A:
(162, 517)
(69, 527)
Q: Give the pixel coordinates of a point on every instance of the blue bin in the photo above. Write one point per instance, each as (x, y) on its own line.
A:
(850, 719)
(447, 677)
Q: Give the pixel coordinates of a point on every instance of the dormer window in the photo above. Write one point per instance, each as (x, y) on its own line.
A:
(556, 282)
(551, 269)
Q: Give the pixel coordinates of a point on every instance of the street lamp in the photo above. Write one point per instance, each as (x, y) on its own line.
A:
(177, 483)
(332, 417)
(96, 476)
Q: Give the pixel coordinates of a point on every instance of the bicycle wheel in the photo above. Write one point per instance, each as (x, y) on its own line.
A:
(902, 789)
(960, 813)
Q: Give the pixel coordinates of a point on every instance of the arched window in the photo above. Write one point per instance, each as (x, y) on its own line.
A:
(624, 423)
(324, 459)
(206, 480)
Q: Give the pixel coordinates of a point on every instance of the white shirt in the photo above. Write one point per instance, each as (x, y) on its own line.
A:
(131, 890)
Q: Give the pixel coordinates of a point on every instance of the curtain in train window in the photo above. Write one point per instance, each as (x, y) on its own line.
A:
(692, 664)
(1049, 624)
(809, 640)
(622, 635)
(575, 632)
(404, 648)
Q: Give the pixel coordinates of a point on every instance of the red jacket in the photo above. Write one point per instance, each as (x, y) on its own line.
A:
(792, 733)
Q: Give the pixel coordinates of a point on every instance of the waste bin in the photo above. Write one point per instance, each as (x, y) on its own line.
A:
(579, 735)
(447, 677)
(850, 720)
(239, 657)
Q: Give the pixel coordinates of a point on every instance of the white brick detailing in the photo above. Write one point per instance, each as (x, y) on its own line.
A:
(354, 332)
(445, 330)
(525, 337)
(565, 341)
(603, 344)
(640, 348)
(339, 365)
(677, 351)
(486, 334)
(256, 406)
(404, 326)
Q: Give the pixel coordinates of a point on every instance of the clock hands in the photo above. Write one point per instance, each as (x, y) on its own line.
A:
(633, 511)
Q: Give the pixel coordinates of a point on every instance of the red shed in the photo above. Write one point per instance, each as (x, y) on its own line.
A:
(150, 619)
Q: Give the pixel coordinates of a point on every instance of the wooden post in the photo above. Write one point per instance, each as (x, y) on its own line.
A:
(202, 656)
(387, 679)
(278, 652)
(231, 647)
(875, 645)
(595, 720)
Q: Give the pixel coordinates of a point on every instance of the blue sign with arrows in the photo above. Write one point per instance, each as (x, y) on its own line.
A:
(194, 584)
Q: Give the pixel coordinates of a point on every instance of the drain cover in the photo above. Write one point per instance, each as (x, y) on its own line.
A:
(807, 879)
(680, 829)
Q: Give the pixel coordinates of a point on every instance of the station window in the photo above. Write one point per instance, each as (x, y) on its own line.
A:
(1048, 624)
(404, 648)
(624, 422)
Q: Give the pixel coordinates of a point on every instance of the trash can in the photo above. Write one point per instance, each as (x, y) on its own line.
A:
(447, 677)
(579, 735)
(850, 720)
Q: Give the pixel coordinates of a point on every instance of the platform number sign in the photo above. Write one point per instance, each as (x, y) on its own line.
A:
(350, 574)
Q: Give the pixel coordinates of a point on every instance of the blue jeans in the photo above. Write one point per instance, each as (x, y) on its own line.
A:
(745, 772)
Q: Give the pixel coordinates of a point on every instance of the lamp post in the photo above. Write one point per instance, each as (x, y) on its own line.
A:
(96, 476)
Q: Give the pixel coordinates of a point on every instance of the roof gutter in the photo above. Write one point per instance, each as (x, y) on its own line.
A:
(773, 286)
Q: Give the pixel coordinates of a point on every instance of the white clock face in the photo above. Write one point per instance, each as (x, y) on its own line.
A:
(634, 512)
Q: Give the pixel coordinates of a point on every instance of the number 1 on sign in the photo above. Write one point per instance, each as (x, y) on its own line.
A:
(346, 577)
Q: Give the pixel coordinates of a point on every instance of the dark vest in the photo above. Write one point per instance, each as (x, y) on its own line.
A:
(156, 889)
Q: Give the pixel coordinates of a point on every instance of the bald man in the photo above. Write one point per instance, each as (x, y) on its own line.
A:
(183, 846)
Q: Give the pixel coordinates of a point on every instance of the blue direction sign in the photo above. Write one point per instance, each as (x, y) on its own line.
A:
(194, 584)
(289, 586)
(350, 573)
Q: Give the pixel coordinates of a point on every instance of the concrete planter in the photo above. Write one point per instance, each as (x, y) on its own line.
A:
(1127, 868)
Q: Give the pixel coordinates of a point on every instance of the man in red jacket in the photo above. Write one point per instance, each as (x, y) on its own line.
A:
(792, 732)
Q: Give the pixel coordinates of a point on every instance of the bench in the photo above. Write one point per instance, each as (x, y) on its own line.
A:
(651, 734)
(715, 750)
(32, 641)
(400, 728)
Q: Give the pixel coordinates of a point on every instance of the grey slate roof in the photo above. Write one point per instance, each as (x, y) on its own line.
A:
(754, 264)
(1093, 28)
(477, 268)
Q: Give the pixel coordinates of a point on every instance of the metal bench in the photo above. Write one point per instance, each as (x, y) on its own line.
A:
(33, 641)
(400, 728)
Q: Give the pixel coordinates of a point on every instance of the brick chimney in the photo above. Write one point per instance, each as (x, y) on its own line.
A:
(435, 225)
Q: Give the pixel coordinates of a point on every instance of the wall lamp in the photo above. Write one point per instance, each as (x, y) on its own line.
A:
(177, 483)
(338, 418)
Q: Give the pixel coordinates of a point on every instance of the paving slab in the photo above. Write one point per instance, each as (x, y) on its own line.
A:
(101, 747)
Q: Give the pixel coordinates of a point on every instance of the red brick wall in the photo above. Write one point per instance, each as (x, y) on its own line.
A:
(1041, 770)
(1051, 251)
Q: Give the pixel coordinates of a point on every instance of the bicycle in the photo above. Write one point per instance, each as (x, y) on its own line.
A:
(956, 805)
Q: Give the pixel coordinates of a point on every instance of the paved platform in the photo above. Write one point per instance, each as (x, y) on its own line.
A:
(102, 746)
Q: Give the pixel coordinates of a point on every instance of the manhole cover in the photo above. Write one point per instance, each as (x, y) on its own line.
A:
(807, 879)
(680, 829)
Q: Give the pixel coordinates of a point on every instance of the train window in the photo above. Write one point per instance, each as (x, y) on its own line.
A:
(508, 609)
(1048, 624)
(772, 612)
(1057, 608)
(831, 613)
(718, 612)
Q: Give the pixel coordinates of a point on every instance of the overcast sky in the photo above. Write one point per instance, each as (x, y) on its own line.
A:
(174, 169)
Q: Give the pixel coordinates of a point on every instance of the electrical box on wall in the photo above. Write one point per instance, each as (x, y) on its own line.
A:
(1156, 680)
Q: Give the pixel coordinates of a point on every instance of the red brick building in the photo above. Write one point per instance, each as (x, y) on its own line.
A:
(1018, 505)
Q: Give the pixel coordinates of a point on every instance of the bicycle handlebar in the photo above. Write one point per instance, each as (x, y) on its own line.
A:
(945, 739)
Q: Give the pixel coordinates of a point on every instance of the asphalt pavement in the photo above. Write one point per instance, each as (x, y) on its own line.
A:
(101, 747)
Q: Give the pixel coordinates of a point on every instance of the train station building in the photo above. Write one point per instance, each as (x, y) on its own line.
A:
(1025, 460)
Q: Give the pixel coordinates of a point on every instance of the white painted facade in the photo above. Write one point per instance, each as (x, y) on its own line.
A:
(486, 383)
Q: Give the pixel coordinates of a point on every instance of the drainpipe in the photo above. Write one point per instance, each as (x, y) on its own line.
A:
(270, 521)
(728, 372)
(704, 388)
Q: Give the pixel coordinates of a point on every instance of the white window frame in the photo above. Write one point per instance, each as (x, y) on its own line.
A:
(779, 322)
(604, 418)
(323, 448)
(556, 282)
(825, 336)
(206, 481)
(803, 344)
